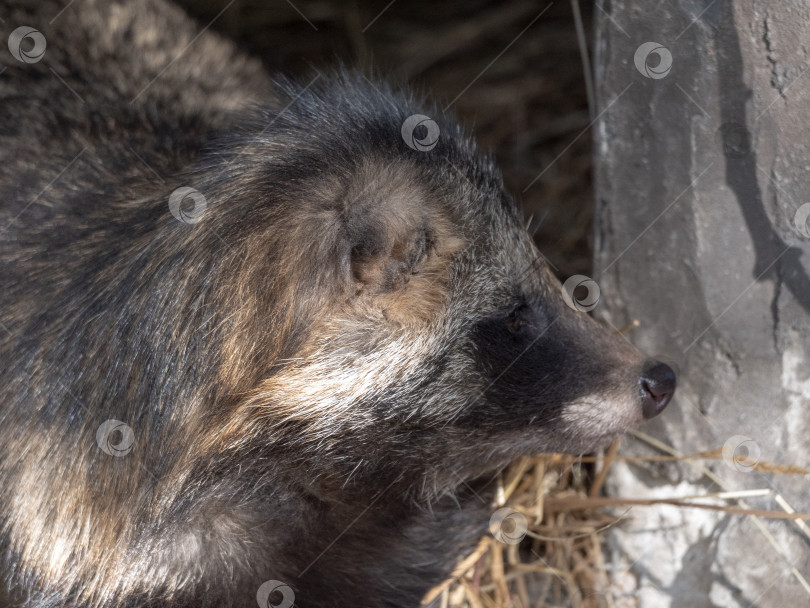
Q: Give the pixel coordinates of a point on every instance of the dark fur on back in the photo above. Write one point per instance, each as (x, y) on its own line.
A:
(322, 374)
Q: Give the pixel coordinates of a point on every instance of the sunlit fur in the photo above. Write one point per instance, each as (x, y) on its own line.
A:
(322, 375)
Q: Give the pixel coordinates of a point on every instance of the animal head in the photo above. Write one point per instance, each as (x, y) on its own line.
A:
(390, 315)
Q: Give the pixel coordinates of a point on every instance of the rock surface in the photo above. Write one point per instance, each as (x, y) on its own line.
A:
(702, 235)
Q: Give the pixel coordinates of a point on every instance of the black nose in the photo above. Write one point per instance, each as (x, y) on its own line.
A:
(657, 384)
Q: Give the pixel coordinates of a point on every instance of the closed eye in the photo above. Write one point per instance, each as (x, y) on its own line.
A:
(516, 319)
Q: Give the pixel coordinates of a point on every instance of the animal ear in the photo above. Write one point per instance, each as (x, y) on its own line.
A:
(385, 255)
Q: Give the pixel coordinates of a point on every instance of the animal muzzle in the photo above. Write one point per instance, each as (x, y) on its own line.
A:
(656, 387)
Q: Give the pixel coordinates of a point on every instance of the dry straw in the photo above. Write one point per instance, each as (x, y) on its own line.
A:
(560, 562)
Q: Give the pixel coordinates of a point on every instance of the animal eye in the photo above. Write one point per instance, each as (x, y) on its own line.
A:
(516, 318)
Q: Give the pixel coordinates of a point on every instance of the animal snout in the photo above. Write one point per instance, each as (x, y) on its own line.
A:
(657, 385)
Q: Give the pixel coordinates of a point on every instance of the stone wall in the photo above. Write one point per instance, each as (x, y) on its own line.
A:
(702, 235)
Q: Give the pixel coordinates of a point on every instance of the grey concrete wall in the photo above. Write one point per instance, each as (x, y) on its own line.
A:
(702, 235)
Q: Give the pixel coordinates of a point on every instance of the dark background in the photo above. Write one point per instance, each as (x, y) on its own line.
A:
(526, 103)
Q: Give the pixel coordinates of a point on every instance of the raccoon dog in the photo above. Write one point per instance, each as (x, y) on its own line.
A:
(261, 339)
